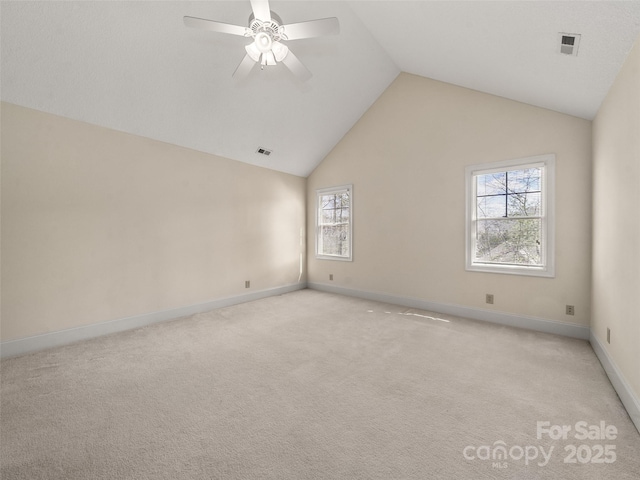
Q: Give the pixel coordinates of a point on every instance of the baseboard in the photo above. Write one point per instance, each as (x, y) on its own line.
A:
(21, 346)
(627, 396)
(519, 321)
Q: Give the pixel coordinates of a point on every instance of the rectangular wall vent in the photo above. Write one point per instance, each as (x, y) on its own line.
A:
(569, 43)
(264, 151)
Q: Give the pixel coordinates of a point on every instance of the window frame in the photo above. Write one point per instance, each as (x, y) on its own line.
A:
(547, 215)
(334, 190)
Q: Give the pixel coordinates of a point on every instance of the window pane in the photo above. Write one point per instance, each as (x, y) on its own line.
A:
(342, 216)
(509, 241)
(491, 184)
(491, 207)
(327, 201)
(334, 240)
(342, 200)
(334, 208)
(327, 216)
(522, 181)
(524, 204)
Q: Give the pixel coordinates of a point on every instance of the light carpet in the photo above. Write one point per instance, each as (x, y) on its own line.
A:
(311, 385)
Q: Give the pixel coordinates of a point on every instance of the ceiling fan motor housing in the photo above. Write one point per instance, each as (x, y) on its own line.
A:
(272, 27)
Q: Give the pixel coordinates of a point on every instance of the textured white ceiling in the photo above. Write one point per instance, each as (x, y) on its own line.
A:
(134, 67)
(510, 48)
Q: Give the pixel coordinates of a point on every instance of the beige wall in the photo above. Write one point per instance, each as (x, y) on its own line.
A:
(406, 158)
(99, 225)
(616, 221)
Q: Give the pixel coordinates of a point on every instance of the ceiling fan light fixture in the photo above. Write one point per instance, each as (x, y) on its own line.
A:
(279, 51)
(253, 52)
(263, 42)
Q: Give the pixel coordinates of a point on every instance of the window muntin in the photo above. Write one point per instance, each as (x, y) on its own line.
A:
(509, 217)
(333, 223)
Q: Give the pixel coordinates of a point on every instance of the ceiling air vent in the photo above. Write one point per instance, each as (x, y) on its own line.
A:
(569, 43)
(263, 151)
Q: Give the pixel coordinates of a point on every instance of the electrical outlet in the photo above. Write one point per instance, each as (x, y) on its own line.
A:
(570, 310)
(247, 284)
(608, 335)
(489, 298)
(331, 276)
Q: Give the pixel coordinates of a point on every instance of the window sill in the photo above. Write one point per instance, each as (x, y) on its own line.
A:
(513, 270)
(334, 257)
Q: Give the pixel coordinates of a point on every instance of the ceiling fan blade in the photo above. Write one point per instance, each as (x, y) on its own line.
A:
(312, 28)
(261, 10)
(244, 68)
(296, 67)
(215, 26)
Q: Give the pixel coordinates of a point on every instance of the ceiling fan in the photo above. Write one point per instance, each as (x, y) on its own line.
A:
(268, 33)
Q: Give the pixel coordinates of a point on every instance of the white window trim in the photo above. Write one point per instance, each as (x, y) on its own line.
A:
(324, 191)
(548, 225)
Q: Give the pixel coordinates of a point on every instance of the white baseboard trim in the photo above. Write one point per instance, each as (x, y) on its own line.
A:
(21, 346)
(627, 396)
(519, 321)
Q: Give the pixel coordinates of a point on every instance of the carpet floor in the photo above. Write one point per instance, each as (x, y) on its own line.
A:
(311, 385)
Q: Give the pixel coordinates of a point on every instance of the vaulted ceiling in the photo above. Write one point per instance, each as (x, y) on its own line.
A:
(135, 67)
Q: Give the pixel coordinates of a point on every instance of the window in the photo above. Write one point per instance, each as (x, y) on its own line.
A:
(510, 217)
(333, 223)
